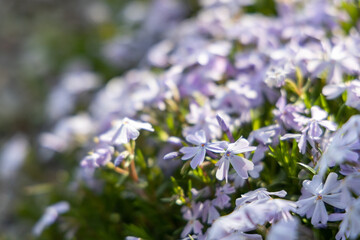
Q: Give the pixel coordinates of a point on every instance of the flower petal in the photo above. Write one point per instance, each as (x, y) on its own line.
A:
(328, 124)
(241, 146)
(241, 166)
(198, 159)
(320, 214)
(335, 200)
(331, 184)
(188, 152)
(223, 170)
(317, 113)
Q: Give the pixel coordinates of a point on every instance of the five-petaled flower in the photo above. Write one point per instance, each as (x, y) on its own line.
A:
(240, 164)
(314, 196)
(123, 131)
(198, 153)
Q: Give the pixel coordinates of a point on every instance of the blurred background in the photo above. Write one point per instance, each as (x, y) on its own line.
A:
(54, 55)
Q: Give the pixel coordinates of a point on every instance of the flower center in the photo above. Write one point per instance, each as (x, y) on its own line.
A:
(319, 197)
(203, 145)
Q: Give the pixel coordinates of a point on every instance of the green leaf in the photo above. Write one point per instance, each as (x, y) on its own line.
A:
(310, 169)
(133, 230)
(140, 159)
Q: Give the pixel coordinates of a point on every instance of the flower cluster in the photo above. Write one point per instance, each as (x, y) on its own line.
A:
(235, 103)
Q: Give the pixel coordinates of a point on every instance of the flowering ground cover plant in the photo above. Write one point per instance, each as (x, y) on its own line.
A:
(241, 122)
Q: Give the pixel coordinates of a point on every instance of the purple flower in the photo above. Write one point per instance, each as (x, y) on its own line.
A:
(171, 155)
(311, 130)
(51, 214)
(222, 199)
(350, 185)
(314, 196)
(336, 59)
(247, 217)
(240, 164)
(121, 157)
(124, 130)
(284, 230)
(312, 125)
(198, 153)
(224, 127)
(353, 92)
(343, 147)
(286, 114)
(203, 118)
(100, 157)
(132, 238)
(209, 213)
(192, 215)
(275, 76)
(258, 194)
(12, 156)
(68, 133)
(350, 225)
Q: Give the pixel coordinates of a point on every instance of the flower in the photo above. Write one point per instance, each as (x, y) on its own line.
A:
(100, 157)
(260, 193)
(332, 91)
(350, 225)
(222, 199)
(314, 196)
(286, 114)
(343, 147)
(124, 130)
(240, 164)
(51, 214)
(192, 215)
(275, 76)
(249, 216)
(336, 59)
(311, 130)
(203, 118)
(284, 230)
(198, 153)
(209, 213)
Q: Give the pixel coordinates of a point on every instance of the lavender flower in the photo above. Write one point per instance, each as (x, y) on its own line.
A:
(240, 164)
(314, 196)
(209, 213)
(336, 59)
(311, 130)
(192, 215)
(350, 225)
(222, 199)
(248, 216)
(171, 155)
(353, 92)
(275, 76)
(124, 130)
(51, 214)
(198, 153)
(224, 127)
(286, 114)
(258, 194)
(100, 157)
(203, 118)
(12, 156)
(350, 185)
(121, 157)
(343, 147)
(284, 230)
